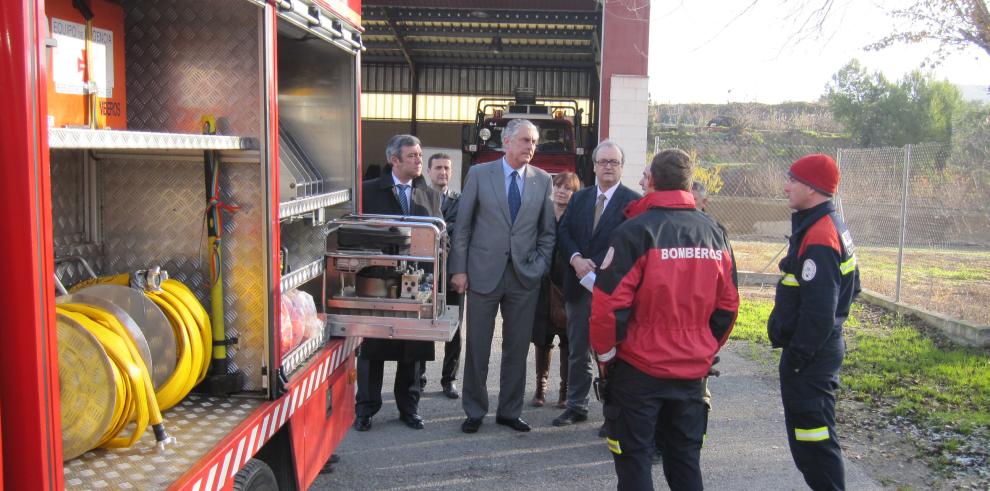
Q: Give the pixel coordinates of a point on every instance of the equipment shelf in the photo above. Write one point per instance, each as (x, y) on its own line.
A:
(301, 206)
(143, 140)
(302, 275)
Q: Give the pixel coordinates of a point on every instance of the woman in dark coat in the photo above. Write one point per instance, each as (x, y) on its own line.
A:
(550, 317)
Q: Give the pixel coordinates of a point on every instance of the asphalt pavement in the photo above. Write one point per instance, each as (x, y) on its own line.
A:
(746, 447)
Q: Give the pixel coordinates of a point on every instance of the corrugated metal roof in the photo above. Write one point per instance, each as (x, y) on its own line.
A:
(488, 4)
(500, 32)
(482, 47)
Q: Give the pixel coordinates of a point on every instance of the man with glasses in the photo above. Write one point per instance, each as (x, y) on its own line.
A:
(591, 216)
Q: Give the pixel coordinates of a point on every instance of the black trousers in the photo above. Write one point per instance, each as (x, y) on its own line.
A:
(451, 361)
(809, 414)
(368, 400)
(638, 407)
(451, 358)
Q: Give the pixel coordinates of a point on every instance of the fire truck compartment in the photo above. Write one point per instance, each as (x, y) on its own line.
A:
(317, 99)
(198, 423)
(128, 200)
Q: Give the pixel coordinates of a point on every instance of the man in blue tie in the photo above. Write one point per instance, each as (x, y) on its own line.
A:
(402, 191)
(503, 243)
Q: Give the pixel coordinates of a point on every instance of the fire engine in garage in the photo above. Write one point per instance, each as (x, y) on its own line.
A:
(563, 136)
(188, 273)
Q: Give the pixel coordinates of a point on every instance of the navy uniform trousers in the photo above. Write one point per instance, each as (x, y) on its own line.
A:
(639, 406)
(809, 415)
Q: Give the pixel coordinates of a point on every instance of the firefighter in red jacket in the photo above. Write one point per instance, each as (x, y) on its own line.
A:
(820, 281)
(665, 300)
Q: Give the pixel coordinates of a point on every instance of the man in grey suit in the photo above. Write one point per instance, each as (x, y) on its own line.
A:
(503, 242)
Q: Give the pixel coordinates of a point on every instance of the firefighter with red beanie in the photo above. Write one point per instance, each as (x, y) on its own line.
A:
(820, 281)
(664, 302)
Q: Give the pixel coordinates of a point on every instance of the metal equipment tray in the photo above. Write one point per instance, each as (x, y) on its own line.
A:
(370, 326)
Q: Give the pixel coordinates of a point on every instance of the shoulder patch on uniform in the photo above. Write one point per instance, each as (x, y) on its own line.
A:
(808, 270)
(608, 258)
(847, 241)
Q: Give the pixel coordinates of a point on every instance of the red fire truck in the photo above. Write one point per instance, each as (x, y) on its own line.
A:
(218, 142)
(563, 136)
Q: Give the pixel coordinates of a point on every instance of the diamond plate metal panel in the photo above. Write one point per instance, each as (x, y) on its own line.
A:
(188, 58)
(246, 286)
(198, 423)
(69, 216)
(153, 215)
(299, 276)
(305, 205)
(306, 243)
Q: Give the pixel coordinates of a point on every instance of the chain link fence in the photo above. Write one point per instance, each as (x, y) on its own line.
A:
(920, 220)
(922, 225)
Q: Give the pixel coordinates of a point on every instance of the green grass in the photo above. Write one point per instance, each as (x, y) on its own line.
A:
(891, 364)
(951, 282)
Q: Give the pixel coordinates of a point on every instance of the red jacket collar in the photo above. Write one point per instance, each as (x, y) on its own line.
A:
(660, 199)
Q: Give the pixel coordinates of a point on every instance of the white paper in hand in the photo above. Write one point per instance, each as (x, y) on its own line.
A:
(589, 281)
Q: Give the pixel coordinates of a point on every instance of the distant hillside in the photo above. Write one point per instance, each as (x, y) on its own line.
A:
(804, 116)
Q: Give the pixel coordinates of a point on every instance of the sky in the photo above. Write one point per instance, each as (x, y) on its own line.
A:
(717, 51)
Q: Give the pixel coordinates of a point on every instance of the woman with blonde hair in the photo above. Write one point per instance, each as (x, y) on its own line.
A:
(550, 317)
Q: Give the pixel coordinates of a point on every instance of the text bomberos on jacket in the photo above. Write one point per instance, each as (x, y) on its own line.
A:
(690, 253)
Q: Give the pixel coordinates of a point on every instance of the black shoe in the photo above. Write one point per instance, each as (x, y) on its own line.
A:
(603, 431)
(412, 420)
(471, 425)
(516, 424)
(362, 423)
(570, 417)
(450, 390)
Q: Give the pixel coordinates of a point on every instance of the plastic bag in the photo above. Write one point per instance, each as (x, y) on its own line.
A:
(285, 328)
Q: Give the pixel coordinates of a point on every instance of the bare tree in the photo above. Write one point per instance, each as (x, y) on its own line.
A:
(953, 24)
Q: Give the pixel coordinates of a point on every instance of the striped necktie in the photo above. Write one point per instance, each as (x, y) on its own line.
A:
(403, 199)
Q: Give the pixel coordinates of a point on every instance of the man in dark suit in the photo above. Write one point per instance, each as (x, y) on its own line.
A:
(439, 168)
(503, 244)
(403, 191)
(583, 235)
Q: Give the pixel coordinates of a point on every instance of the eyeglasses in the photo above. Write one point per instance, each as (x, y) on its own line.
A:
(608, 163)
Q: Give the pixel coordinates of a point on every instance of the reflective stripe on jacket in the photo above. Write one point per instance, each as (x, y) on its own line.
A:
(820, 281)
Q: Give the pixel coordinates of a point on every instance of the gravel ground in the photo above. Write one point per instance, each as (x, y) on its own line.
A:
(746, 447)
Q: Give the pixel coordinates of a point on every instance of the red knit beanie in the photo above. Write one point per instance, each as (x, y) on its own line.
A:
(818, 171)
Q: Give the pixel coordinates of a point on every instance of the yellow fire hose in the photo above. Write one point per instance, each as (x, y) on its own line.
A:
(139, 403)
(192, 329)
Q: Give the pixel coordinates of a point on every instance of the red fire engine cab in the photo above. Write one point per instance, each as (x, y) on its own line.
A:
(562, 140)
(186, 271)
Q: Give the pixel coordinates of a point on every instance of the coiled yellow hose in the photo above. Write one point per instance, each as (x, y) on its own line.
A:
(137, 400)
(192, 329)
(138, 403)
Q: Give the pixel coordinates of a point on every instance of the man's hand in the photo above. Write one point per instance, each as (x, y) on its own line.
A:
(605, 361)
(460, 282)
(582, 266)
